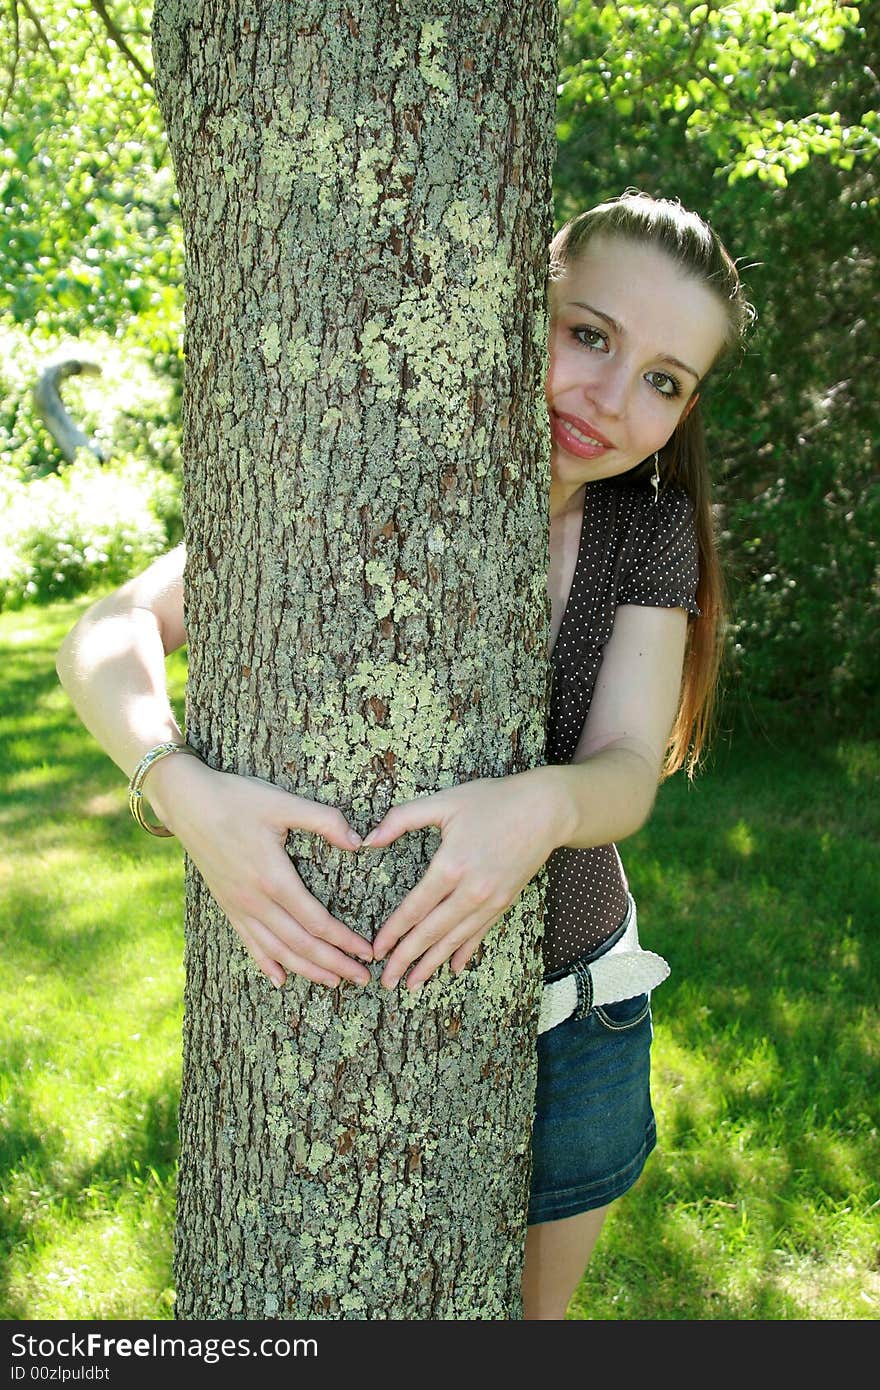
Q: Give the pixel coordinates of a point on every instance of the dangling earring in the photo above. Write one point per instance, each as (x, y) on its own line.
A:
(655, 476)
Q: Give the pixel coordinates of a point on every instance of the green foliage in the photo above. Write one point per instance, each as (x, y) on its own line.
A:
(90, 236)
(729, 76)
(62, 534)
(64, 527)
(129, 407)
(90, 268)
(806, 634)
(801, 496)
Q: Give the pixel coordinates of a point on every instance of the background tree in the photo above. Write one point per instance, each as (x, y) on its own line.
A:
(365, 195)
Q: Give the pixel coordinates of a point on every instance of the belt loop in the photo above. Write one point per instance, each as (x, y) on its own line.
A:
(584, 984)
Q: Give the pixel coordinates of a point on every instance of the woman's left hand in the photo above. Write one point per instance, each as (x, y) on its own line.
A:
(495, 835)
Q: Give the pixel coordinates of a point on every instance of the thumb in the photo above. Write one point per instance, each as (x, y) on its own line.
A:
(326, 821)
(409, 815)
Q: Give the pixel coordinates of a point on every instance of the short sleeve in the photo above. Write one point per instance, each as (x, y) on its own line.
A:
(661, 566)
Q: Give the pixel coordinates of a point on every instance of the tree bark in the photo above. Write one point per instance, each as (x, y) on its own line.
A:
(365, 193)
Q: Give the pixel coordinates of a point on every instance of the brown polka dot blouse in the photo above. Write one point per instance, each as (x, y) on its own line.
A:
(631, 551)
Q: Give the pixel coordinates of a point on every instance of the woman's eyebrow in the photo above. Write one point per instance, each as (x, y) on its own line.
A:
(618, 328)
(600, 313)
(683, 366)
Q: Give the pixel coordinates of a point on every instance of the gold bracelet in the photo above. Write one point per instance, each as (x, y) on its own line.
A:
(135, 786)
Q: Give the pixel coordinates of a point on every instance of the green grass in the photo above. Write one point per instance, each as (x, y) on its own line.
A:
(759, 883)
(90, 998)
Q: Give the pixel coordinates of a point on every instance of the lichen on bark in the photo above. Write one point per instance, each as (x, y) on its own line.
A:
(365, 197)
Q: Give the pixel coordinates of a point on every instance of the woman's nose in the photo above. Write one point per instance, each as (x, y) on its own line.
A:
(609, 388)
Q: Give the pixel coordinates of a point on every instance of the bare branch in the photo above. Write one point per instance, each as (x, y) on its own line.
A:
(44, 39)
(118, 38)
(13, 69)
(53, 412)
(35, 21)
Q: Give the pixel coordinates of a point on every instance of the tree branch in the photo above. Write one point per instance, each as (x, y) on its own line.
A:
(118, 38)
(53, 413)
(44, 39)
(35, 21)
(13, 69)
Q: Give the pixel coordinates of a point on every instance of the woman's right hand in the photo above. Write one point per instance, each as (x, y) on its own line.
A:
(234, 828)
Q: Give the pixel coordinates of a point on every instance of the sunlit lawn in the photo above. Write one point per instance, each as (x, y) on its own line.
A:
(760, 883)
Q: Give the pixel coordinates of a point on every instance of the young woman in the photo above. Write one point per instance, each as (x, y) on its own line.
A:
(644, 302)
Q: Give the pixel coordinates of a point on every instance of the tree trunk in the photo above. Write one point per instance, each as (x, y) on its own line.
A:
(365, 192)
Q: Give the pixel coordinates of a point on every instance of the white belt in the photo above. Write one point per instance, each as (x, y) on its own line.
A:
(624, 971)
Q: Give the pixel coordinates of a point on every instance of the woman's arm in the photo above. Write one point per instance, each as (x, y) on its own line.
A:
(608, 790)
(497, 832)
(112, 666)
(112, 663)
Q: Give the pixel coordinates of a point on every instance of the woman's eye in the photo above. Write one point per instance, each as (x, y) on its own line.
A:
(591, 337)
(663, 383)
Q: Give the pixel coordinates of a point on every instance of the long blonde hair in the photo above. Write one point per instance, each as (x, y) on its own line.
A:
(697, 250)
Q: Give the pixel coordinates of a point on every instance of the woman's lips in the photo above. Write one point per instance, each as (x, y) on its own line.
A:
(578, 436)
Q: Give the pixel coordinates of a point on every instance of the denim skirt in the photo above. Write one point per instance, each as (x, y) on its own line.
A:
(594, 1124)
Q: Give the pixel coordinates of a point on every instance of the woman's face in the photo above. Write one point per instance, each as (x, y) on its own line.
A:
(631, 336)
